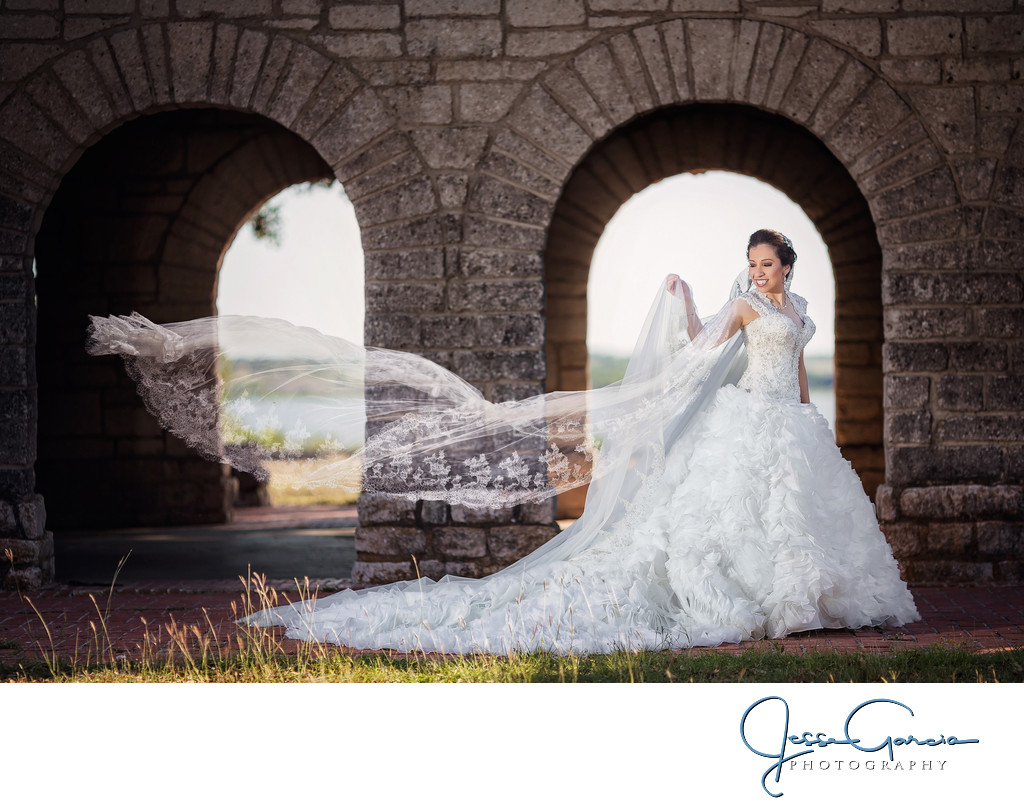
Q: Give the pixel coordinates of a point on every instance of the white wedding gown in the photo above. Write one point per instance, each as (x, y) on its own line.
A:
(717, 512)
(755, 526)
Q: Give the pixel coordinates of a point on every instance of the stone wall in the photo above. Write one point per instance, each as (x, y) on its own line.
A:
(459, 129)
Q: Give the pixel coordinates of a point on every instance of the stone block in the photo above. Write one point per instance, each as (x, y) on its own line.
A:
(377, 509)
(544, 44)
(992, 34)
(628, 5)
(421, 232)
(886, 504)
(453, 37)
(705, 5)
(1001, 322)
(8, 520)
(382, 572)
(508, 544)
(510, 330)
(495, 295)
(862, 35)
(949, 572)
(32, 577)
(498, 263)
(29, 26)
(951, 113)
(544, 14)
(912, 71)
(460, 542)
(538, 513)
(493, 197)
(408, 200)
(191, 46)
(463, 515)
(429, 568)
(913, 356)
(512, 391)
(222, 8)
(452, 8)
(706, 40)
(924, 36)
(430, 104)
(17, 444)
(1004, 393)
(977, 356)
(963, 502)
(32, 516)
(599, 71)
(906, 392)
(404, 265)
(451, 147)
(433, 512)
(452, 190)
(980, 428)
(960, 392)
(392, 330)
(404, 297)
(486, 101)
(466, 569)
(949, 539)
(367, 17)
(908, 427)
(904, 538)
(1000, 539)
(908, 465)
(390, 541)
(976, 6)
(922, 323)
(495, 365)
(361, 121)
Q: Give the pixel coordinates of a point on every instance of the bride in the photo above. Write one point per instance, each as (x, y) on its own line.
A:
(719, 508)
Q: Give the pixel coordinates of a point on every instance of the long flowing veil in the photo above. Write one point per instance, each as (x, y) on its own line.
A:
(272, 398)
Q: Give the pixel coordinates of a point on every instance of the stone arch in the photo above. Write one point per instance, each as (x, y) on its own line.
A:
(641, 105)
(141, 223)
(699, 137)
(239, 114)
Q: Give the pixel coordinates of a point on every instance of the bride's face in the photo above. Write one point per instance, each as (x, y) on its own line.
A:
(766, 270)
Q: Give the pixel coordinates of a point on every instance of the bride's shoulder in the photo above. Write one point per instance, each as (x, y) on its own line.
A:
(745, 307)
(799, 301)
(752, 301)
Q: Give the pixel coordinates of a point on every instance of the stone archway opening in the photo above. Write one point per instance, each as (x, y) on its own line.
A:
(141, 222)
(300, 261)
(741, 139)
(697, 225)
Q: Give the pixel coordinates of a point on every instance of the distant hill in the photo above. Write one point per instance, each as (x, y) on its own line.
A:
(606, 369)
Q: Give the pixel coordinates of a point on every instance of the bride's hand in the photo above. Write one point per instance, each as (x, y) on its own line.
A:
(678, 287)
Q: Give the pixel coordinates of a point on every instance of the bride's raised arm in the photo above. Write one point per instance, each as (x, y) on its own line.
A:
(737, 314)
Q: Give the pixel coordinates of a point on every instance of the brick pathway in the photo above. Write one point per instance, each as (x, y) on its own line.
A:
(986, 619)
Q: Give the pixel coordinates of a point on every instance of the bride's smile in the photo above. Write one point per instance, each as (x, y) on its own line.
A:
(766, 271)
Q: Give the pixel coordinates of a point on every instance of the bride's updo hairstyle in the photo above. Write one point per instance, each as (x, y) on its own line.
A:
(781, 244)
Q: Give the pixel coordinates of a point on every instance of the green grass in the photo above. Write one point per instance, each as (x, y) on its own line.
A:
(176, 652)
(935, 664)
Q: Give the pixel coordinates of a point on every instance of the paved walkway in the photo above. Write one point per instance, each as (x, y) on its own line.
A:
(152, 602)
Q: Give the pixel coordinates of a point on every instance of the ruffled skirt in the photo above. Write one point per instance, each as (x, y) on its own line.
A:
(755, 527)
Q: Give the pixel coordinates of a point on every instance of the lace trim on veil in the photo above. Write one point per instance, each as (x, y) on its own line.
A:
(256, 392)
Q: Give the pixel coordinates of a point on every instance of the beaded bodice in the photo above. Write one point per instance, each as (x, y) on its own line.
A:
(774, 342)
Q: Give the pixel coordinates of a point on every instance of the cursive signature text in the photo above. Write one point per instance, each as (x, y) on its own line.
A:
(821, 740)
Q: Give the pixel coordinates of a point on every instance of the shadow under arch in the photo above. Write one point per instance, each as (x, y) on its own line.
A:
(745, 140)
(141, 222)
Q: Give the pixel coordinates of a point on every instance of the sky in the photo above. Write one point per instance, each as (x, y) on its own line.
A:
(694, 225)
(697, 226)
